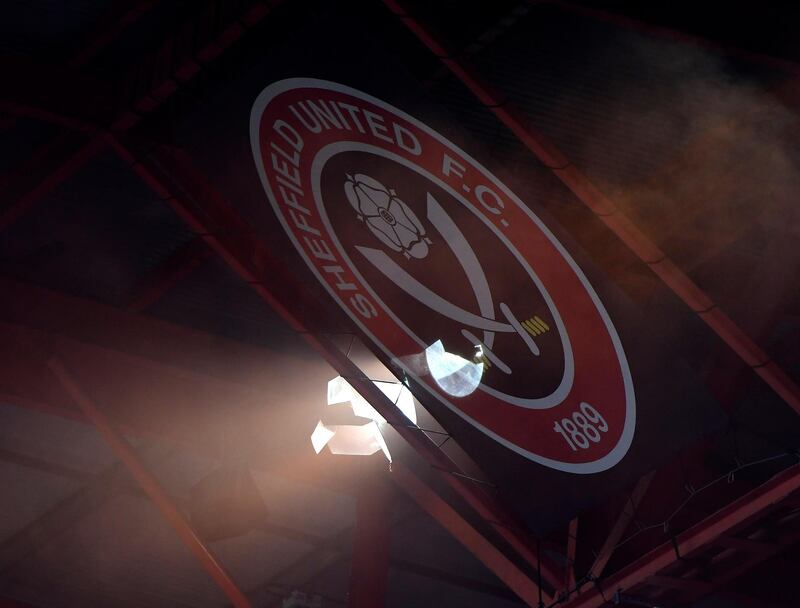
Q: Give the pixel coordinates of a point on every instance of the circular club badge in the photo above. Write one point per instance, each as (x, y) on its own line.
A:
(447, 272)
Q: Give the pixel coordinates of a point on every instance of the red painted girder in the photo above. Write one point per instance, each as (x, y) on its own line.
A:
(9, 603)
(61, 516)
(142, 335)
(30, 164)
(177, 61)
(106, 32)
(39, 464)
(572, 549)
(645, 249)
(156, 378)
(110, 28)
(155, 342)
(786, 65)
(621, 524)
(152, 397)
(208, 214)
(150, 485)
(739, 557)
(369, 570)
(449, 578)
(449, 519)
(54, 93)
(180, 264)
(703, 534)
(61, 171)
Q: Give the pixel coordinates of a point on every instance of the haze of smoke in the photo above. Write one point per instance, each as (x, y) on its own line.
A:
(723, 194)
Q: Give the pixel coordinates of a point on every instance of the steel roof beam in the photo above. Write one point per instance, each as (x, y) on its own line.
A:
(723, 522)
(195, 370)
(456, 580)
(369, 569)
(473, 541)
(623, 21)
(9, 603)
(59, 518)
(171, 512)
(179, 265)
(735, 561)
(621, 524)
(56, 94)
(160, 344)
(177, 61)
(61, 163)
(104, 34)
(45, 466)
(326, 552)
(329, 551)
(572, 549)
(109, 29)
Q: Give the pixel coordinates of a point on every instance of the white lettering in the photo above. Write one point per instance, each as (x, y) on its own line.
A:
(294, 158)
(450, 165)
(364, 307)
(323, 114)
(481, 191)
(302, 224)
(338, 272)
(338, 111)
(320, 249)
(353, 112)
(310, 122)
(375, 123)
(407, 140)
(290, 198)
(289, 133)
(291, 186)
(282, 167)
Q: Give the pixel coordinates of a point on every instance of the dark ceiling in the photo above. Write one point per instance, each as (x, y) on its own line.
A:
(685, 116)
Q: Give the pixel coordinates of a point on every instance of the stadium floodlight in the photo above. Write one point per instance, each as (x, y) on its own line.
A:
(350, 439)
(340, 391)
(360, 439)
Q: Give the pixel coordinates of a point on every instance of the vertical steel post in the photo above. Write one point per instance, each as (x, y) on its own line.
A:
(369, 573)
(572, 549)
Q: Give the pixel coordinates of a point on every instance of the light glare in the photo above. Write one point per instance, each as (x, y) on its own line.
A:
(321, 436)
(340, 391)
(350, 439)
(454, 374)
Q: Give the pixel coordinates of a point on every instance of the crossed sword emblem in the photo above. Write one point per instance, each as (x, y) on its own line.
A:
(485, 322)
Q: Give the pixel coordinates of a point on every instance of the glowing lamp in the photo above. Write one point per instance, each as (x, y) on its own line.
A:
(350, 439)
(455, 375)
(340, 391)
(360, 439)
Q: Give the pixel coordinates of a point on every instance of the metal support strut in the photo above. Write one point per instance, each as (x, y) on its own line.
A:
(150, 485)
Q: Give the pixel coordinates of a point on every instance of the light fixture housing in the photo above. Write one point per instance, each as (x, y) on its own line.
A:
(340, 391)
(360, 439)
(350, 439)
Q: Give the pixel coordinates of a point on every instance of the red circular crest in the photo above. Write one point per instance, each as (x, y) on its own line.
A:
(447, 272)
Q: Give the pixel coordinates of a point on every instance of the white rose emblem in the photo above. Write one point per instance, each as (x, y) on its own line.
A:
(387, 217)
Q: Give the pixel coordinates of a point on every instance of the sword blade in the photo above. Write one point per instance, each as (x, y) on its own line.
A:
(392, 271)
